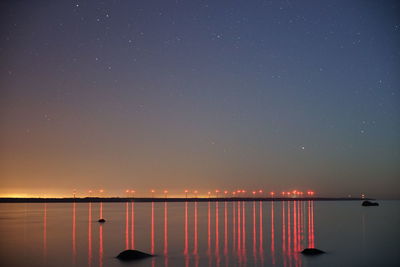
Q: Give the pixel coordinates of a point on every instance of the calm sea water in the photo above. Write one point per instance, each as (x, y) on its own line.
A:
(201, 234)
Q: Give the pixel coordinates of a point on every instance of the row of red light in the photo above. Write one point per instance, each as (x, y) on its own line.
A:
(297, 193)
(237, 192)
(234, 193)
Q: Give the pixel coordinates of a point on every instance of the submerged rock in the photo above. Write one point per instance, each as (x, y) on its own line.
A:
(130, 255)
(312, 251)
(101, 220)
(367, 203)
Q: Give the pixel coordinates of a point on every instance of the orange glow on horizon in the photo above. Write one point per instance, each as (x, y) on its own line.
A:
(109, 193)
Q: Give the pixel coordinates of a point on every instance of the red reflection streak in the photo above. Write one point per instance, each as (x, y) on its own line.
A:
(254, 232)
(233, 225)
(288, 247)
(226, 229)
(209, 229)
(45, 233)
(297, 258)
(132, 225)
(312, 223)
(90, 235)
(243, 228)
(101, 246)
(272, 233)
(295, 226)
(283, 234)
(101, 210)
(217, 258)
(74, 233)
(216, 229)
(165, 228)
(195, 249)
(288, 228)
(309, 223)
(301, 231)
(165, 234)
(244, 233)
(239, 230)
(186, 230)
(305, 232)
(261, 235)
(152, 227)
(127, 225)
(299, 225)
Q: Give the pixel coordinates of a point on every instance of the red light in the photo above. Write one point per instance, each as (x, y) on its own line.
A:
(254, 192)
(195, 191)
(260, 191)
(165, 191)
(217, 191)
(272, 193)
(225, 192)
(126, 191)
(152, 191)
(186, 191)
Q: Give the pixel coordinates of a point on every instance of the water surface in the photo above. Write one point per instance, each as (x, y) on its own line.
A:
(201, 234)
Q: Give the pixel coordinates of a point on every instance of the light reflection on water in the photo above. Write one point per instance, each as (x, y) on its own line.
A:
(235, 250)
(180, 234)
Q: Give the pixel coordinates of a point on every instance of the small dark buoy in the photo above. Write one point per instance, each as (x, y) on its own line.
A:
(130, 255)
(101, 220)
(312, 251)
(368, 203)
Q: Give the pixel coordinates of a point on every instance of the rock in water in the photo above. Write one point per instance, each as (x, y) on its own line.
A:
(312, 251)
(367, 203)
(101, 220)
(130, 255)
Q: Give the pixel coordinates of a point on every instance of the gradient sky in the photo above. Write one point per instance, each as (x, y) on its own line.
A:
(202, 95)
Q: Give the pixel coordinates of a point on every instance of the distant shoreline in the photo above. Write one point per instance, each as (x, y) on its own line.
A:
(181, 199)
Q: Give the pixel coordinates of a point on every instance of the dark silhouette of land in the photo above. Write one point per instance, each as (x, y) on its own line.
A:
(180, 199)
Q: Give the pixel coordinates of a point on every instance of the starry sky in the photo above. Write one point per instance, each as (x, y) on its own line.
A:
(278, 95)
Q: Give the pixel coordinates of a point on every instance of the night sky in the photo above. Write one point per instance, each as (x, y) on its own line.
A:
(205, 95)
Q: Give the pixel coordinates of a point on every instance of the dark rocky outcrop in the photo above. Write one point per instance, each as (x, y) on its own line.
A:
(130, 255)
(101, 220)
(312, 251)
(368, 203)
